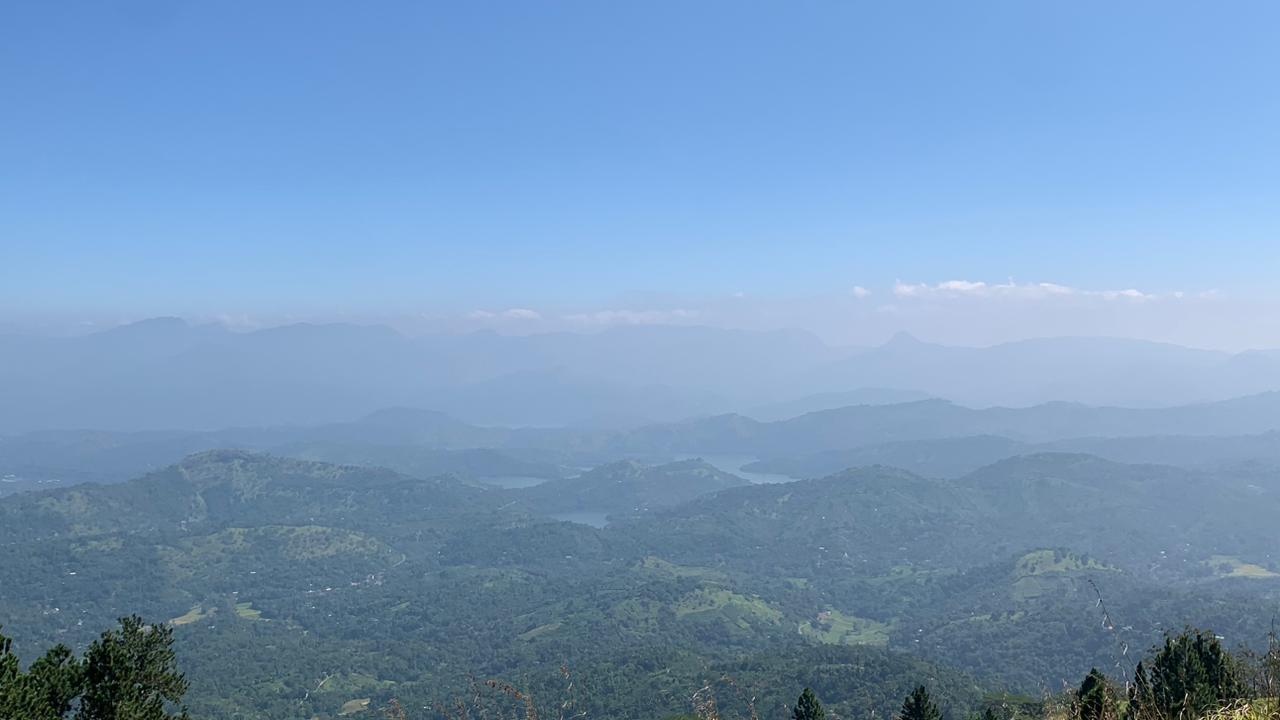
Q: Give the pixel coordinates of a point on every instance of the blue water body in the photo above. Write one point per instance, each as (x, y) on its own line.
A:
(512, 482)
(733, 464)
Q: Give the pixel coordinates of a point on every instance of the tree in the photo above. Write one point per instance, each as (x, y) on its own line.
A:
(1190, 676)
(45, 692)
(57, 679)
(808, 708)
(1139, 692)
(130, 674)
(918, 706)
(1093, 700)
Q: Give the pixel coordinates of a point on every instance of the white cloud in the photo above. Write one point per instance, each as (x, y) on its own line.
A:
(963, 286)
(1055, 289)
(860, 292)
(1129, 293)
(1011, 289)
(902, 289)
(508, 314)
(630, 317)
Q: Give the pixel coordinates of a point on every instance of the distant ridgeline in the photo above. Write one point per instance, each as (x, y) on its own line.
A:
(164, 373)
(934, 438)
(296, 588)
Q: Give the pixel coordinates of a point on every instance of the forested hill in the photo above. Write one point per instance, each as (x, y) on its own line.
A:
(1126, 513)
(863, 425)
(956, 456)
(219, 489)
(389, 585)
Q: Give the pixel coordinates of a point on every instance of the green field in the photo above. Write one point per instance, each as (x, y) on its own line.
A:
(1230, 566)
(833, 627)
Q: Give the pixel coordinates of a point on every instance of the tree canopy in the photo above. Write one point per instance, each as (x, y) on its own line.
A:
(808, 708)
(919, 706)
(126, 674)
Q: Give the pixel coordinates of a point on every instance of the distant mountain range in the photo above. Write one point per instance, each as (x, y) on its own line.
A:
(1089, 370)
(931, 437)
(165, 374)
(865, 425)
(952, 457)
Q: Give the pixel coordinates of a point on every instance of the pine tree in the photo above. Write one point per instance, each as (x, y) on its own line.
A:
(46, 691)
(808, 708)
(1192, 675)
(918, 706)
(1139, 693)
(130, 674)
(1094, 697)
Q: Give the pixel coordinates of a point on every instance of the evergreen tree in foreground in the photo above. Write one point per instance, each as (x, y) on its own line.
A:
(808, 708)
(1138, 691)
(45, 692)
(918, 706)
(1093, 700)
(1190, 676)
(126, 674)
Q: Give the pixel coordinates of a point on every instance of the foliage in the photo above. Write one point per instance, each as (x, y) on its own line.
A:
(127, 674)
(1189, 676)
(919, 706)
(330, 584)
(807, 707)
(1094, 700)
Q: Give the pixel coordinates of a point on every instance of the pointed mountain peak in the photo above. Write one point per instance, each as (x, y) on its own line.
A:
(904, 339)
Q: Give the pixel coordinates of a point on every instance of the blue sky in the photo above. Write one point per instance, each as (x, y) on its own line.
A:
(409, 157)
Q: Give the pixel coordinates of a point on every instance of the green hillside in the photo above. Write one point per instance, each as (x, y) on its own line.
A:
(331, 584)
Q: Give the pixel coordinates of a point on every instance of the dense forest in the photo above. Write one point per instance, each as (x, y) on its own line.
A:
(131, 674)
(333, 585)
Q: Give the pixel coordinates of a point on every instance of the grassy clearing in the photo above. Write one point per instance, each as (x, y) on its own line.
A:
(246, 611)
(194, 615)
(351, 707)
(659, 566)
(833, 627)
(539, 631)
(1047, 572)
(1044, 562)
(1230, 566)
(734, 607)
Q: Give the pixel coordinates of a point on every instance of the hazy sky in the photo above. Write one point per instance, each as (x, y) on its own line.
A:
(593, 163)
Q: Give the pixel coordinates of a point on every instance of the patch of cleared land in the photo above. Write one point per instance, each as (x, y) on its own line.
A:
(833, 627)
(351, 707)
(737, 608)
(1042, 562)
(539, 631)
(195, 614)
(1230, 566)
(246, 611)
